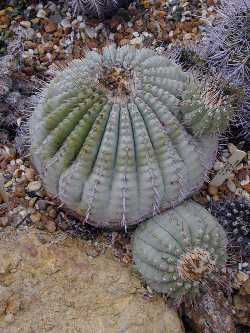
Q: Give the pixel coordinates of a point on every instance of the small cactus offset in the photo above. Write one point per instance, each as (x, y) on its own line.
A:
(109, 136)
(180, 251)
(98, 8)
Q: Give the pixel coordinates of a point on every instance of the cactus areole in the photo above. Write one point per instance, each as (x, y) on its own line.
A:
(109, 137)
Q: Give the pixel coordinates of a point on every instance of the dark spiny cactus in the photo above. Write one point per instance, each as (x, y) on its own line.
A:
(234, 216)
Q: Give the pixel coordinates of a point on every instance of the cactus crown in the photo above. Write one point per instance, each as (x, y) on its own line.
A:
(112, 135)
(195, 264)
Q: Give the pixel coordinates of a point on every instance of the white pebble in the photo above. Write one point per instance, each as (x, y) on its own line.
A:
(41, 13)
(231, 186)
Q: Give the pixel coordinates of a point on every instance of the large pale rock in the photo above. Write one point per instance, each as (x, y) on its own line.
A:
(48, 283)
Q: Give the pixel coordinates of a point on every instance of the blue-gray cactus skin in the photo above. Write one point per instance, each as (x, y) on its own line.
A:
(109, 136)
(180, 251)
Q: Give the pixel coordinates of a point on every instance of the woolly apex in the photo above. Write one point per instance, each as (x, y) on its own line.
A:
(108, 136)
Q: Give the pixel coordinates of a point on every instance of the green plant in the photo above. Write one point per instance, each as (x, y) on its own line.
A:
(110, 136)
(181, 251)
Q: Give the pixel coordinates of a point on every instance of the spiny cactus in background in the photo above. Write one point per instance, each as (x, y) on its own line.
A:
(234, 216)
(180, 252)
(226, 45)
(98, 8)
(224, 54)
(111, 135)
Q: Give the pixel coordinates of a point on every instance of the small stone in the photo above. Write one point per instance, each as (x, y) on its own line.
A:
(52, 212)
(4, 221)
(25, 24)
(19, 191)
(42, 204)
(8, 184)
(230, 165)
(65, 23)
(231, 186)
(241, 277)
(218, 165)
(50, 225)
(246, 286)
(232, 148)
(245, 181)
(212, 190)
(50, 26)
(34, 186)
(35, 217)
(246, 188)
(41, 13)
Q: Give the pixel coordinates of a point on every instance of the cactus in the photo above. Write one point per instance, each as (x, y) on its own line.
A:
(180, 251)
(226, 45)
(234, 216)
(110, 139)
(98, 8)
(224, 54)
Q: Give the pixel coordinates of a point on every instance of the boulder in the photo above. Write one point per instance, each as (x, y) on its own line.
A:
(49, 283)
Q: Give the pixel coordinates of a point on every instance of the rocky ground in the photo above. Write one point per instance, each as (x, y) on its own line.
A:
(56, 274)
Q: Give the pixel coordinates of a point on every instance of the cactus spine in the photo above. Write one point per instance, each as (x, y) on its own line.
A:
(98, 8)
(180, 251)
(108, 136)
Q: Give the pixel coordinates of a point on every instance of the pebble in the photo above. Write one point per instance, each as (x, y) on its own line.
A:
(25, 24)
(34, 186)
(218, 165)
(245, 181)
(4, 221)
(212, 190)
(42, 204)
(41, 13)
(50, 26)
(65, 23)
(231, 186)
(50, 225)
(231, 147)
(35, 217)
(52, 212)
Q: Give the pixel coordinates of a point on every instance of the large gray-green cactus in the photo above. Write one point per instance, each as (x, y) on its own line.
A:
(180, 251)
(109, 138)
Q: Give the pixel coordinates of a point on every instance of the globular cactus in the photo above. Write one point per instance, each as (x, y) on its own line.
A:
(234, 216)
(99, 8)
(180, 251)
(110, 137)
